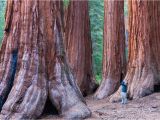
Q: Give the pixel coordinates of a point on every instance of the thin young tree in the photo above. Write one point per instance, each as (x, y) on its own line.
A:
(33, 63)
(114, 61)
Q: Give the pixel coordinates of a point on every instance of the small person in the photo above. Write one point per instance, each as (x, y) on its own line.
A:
(124, 92)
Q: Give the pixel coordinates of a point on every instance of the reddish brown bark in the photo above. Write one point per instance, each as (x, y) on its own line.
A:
(32, 55)
(114, 61)
(144, 39)
(78, 45)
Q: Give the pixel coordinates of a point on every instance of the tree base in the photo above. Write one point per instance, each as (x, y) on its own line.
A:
(107, 88)
(78, 111)
(137, 86)
(41, 74)
(116, 97)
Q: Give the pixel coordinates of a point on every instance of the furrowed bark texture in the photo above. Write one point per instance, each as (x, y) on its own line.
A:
(33, 63)
(114, 60)
(78, 45)
(144, 39)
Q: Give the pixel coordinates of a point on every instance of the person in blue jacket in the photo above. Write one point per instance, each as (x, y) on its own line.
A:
(123, 92)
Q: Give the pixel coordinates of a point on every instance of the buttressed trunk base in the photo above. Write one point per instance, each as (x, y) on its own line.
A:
(33, 63)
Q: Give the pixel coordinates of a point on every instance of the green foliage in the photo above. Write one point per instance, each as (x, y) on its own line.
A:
(66, 3)
(98, 79)
(2, 12)
(125, 8)
(96, 12)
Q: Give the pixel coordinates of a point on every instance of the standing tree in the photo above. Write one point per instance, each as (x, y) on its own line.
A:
(114, 61)
(78, 45)
(33, 63)
(143, 72)
(143, 66)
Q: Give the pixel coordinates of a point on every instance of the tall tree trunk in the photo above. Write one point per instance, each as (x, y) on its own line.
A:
(143, 72)
(114, 61)
(144, 39)
(33, 63)
(78, 45)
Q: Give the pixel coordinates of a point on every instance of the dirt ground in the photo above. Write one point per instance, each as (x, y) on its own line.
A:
(147, 108)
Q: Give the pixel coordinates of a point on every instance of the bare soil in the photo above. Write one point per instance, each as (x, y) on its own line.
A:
(147, 108)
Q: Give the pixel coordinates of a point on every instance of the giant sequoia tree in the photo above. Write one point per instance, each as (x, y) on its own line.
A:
(33, 63)
(78, 45)
(143, 68)
(144, 39)
(113, 50)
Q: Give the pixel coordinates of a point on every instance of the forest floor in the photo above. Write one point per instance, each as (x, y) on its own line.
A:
(146, 108)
